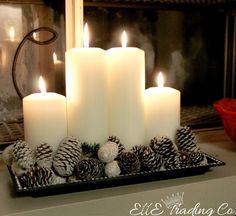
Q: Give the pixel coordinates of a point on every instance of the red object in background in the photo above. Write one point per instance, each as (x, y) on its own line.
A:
(227, 109)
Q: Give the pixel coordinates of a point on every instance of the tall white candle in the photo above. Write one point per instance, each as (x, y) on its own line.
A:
(74, 23)
(86, 90)
(162, 111)
(44, 118)
(126, 75)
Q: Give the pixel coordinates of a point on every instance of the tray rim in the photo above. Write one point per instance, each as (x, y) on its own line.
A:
(121, 180)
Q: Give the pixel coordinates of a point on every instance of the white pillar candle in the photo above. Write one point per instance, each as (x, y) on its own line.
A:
(86, 91)
(162, 111)
(44, 118)
(126, 78)
(74, 23)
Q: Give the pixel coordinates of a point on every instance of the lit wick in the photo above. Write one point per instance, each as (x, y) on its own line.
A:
(42, 85)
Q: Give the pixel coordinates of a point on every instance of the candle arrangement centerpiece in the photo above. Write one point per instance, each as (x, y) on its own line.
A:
(107, 126)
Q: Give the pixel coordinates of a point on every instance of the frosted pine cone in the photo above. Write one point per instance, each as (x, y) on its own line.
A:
(89, 168)
(167, 150)
(23, 154)
(163, 146)
(186, 139)
(197, 158)
(172, 162)
(129, 163)
(150, 160)
(115, 139)
(36, 177)
(184, 159)
(138, 150)
(44, 155)
(67, 156)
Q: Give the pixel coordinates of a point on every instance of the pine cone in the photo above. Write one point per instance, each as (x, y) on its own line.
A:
(44, 155)
(163, 146)
(172, 162)
(23, 154)
(129, 163)
(117, 141)
(138, 150)
(89, 168)
(167, 151)
(150, 160)
(36, 177)
(196, 158)
(184, 159)
(67, 156)
(186, 140)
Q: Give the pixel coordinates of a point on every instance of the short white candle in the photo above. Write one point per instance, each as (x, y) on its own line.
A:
(44, 118)
(126, 78)
(86, 91)
(162, 111)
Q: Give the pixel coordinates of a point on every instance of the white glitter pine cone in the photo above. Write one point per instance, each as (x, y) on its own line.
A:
(167, 150)
(36, 176)
(129, 163)
(184, 159)
(197, 158)
(163, 146)
(44, 155)
(186, 140)
(67, 156)
(150, 160)
(89, 168)
(23, 154)
(138, 150)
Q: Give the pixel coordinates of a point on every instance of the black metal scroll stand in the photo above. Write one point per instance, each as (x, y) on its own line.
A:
(30, 37)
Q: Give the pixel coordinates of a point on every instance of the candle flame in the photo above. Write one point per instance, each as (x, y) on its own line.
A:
(86, 36)
(124, 39)
(160, 80)
(42, 85)
(34, 36)
(12, 33)
(54, 57)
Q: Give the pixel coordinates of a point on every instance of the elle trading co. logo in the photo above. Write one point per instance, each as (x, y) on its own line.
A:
(174, 205)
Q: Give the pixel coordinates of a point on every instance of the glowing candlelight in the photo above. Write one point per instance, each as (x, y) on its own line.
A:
(42, 85)
(124, 39)
(160, 80)
(12, 33)
(86, 36)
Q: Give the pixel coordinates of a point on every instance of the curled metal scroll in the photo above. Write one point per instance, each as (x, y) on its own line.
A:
(31, 38)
